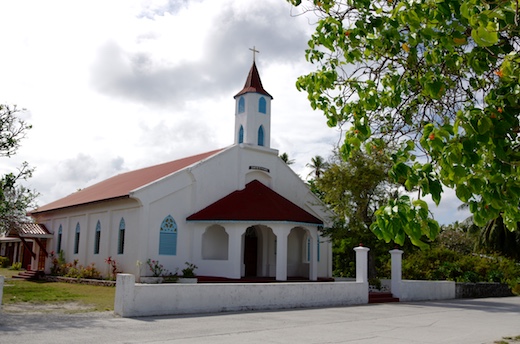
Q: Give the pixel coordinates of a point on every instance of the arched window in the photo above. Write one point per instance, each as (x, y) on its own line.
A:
(308, 248)
(318, 247)
(261, 136)
(60, 235)
(121, 239)
(241, 105)
(168, 237)
(262, 105)
(241, 135)
(97, 238)
(76, 239)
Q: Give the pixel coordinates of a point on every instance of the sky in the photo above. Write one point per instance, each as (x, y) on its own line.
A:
(112, 86)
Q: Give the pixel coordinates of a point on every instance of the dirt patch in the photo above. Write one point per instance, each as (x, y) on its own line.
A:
(61, 307)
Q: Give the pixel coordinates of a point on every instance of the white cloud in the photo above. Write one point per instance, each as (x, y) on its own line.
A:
(122, 84)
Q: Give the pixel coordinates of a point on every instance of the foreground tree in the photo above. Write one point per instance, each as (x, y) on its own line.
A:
(15, 199)
(437, 84)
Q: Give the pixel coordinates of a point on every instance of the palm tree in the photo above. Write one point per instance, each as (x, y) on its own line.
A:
(318, 165)
(285, 158)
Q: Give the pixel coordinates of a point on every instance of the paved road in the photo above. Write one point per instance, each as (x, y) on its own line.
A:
(455, 321)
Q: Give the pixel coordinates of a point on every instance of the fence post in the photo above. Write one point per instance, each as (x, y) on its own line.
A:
(361, 264)
(124, 300)
(396, 272)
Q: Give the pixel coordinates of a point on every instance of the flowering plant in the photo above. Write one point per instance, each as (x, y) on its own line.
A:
(156, 268)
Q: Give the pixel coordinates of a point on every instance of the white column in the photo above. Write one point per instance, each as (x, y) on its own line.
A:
(362, 264)
(281, 253)
(397, 256)
(235, 249)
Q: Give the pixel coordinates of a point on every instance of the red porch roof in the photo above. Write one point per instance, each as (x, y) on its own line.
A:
(256, 202)
(121, 185)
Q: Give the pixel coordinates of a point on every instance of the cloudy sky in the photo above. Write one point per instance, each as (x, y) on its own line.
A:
(111, 86)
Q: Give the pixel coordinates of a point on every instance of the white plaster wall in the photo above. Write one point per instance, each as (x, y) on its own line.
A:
(109, 213)
(163, 299)
(426, 290)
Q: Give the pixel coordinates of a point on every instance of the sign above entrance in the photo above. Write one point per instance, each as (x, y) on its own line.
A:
(260, 168)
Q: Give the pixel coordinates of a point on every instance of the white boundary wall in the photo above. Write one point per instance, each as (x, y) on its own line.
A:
(426, 290)
(408, 290)
(134, 300)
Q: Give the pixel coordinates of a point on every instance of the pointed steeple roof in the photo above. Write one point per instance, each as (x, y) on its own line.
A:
(253, 83)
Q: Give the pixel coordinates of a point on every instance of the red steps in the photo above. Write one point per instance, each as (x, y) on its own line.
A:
(30, 275)
(381, 297)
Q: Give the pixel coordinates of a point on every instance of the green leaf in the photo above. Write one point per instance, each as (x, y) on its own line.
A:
(486, 36)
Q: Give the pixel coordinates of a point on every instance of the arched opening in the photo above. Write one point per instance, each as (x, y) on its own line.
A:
(298, 253)
(215, 243)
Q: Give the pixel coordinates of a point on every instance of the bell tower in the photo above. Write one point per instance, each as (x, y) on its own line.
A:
(253, 111)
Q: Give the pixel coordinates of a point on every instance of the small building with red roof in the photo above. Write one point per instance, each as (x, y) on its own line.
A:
(234, 212)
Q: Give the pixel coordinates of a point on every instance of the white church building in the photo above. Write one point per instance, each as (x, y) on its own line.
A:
(234, 212)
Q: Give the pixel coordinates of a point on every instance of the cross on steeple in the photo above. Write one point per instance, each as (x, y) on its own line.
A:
(254, 51)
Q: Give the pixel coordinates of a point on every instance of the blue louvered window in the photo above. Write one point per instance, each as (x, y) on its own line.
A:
(76, 239)
(168, 237)
(261, 136)
(318, 245)
(241, 105)
(262, 105)
(241, 135)
(121, 239)
(308, 249)
(60, 236)
(97, 238)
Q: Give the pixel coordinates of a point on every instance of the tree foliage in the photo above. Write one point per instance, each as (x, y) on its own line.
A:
(437, 84)
(354, 190)
(14, 198)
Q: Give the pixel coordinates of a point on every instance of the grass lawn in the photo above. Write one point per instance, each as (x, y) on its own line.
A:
(97, 298)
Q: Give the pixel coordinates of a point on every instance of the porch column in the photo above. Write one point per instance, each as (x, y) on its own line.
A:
(313, 264)
(281, 252)
(235, 249)
(396, 264)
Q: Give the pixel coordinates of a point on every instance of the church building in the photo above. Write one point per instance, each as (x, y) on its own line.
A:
(234, 212)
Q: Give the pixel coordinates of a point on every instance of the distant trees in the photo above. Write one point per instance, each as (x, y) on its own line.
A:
(354, 190)
(285, 158)
(15, 199)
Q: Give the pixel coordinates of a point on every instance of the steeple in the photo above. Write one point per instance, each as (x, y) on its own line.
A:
(253, 83)
(253, 111)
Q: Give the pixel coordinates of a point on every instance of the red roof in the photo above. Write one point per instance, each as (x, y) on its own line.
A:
(256, 202)
(253, 83)
(121, 185)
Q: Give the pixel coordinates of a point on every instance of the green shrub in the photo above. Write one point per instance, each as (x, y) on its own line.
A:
(16, 266)
(4, 262)
(443, 264)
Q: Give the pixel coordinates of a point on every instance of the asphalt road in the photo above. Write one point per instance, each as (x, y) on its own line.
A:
(454, 321)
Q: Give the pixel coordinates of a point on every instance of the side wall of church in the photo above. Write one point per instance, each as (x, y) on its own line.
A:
(74, 232)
